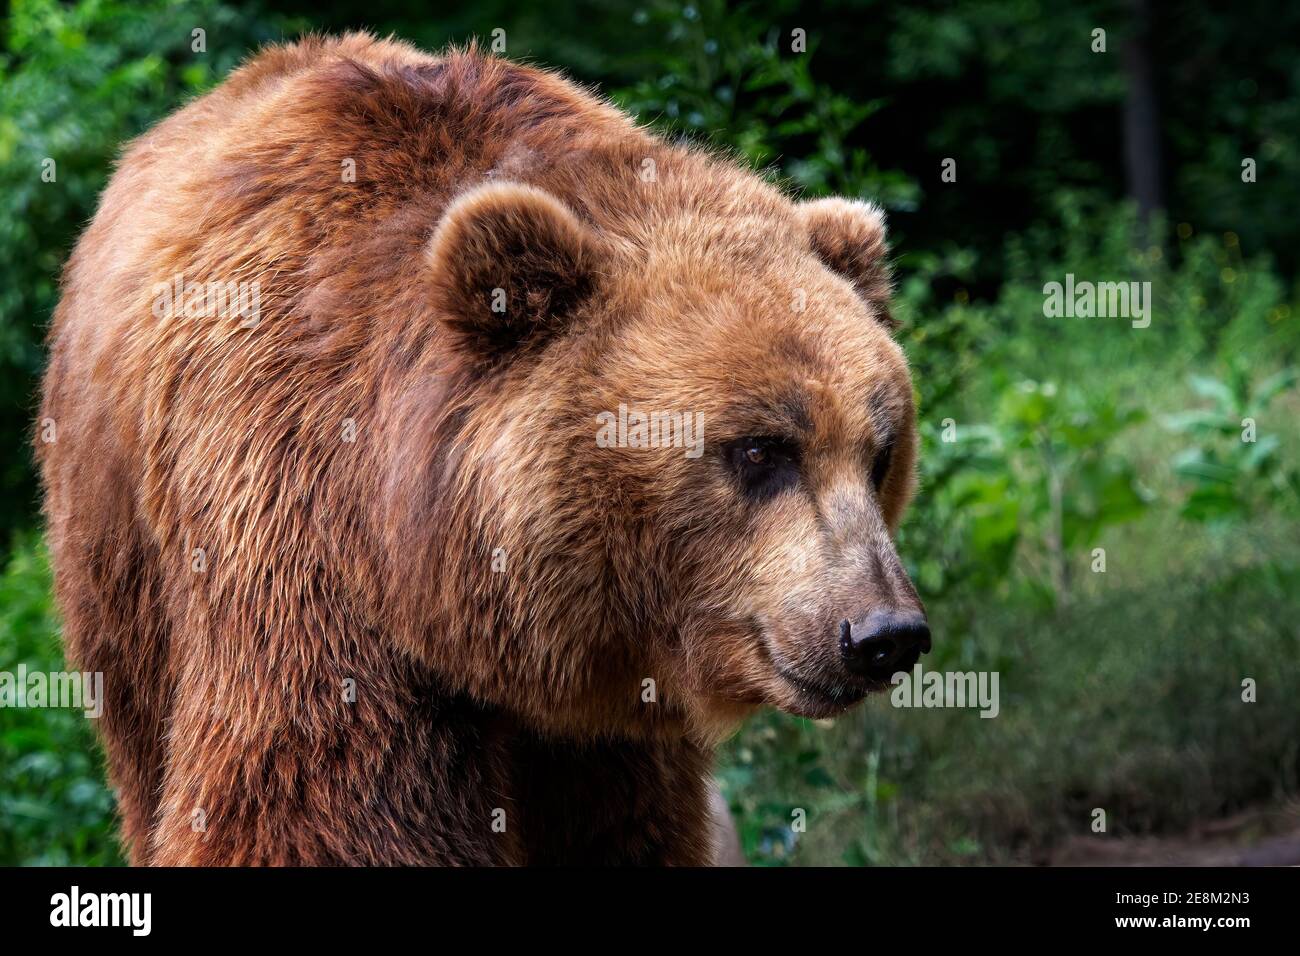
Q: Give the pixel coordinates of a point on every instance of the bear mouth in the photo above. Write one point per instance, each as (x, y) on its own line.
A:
(832, 699)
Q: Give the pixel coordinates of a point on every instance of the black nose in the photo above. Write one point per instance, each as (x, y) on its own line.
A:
(884, 642)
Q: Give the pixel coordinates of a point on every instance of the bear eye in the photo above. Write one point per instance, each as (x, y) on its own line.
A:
(763, 465)
(880, 467)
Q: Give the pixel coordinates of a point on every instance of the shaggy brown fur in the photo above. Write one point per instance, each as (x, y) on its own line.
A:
(358, 575)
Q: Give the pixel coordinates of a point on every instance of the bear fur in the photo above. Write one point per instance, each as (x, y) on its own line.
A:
(363, 585)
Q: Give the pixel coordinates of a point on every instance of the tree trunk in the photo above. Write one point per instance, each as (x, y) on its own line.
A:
(1141, 117)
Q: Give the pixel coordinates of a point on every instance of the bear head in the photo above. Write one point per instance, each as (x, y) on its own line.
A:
(675, 451)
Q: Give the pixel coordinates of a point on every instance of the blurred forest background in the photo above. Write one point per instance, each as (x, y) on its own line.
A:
(1121, 689)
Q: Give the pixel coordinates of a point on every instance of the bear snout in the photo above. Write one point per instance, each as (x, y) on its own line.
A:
(883, 642)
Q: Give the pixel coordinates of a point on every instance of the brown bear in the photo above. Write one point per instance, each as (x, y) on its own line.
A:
(438, 466)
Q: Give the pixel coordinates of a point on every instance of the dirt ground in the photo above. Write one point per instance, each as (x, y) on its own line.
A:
(1266, 837)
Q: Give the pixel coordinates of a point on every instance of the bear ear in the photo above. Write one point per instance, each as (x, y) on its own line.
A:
(849, 237)
(509, 263)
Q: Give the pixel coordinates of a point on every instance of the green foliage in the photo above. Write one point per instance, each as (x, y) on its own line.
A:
(55, 808)
(724, 78)
(1040, 481)
(1235, 472)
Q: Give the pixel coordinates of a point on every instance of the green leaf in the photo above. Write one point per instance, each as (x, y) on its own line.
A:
(1214, 389)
